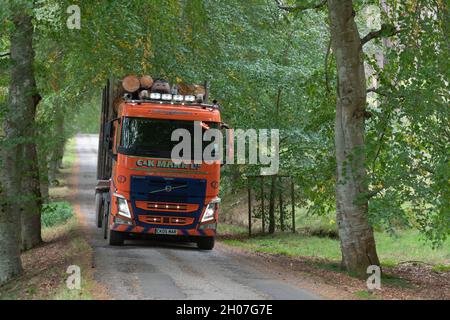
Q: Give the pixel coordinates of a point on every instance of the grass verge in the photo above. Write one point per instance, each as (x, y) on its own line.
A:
(405, 246)
(411, 268)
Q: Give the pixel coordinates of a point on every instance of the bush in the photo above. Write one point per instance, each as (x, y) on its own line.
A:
(55, 213)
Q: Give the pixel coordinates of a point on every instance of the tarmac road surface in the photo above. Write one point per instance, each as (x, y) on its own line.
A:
(159, 270)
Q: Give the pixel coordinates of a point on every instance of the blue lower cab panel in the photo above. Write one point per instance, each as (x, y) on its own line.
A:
(167, 190)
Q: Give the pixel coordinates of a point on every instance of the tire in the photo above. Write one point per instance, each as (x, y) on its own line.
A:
(99, 210)
(206, 243)
(115, 238)
(105, 220)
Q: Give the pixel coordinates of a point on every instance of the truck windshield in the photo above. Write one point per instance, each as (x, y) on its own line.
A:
(152, 137)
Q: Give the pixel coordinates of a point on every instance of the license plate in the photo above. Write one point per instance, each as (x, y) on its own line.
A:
(172, 232)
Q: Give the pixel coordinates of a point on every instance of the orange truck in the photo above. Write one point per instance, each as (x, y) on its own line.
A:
(140, 190)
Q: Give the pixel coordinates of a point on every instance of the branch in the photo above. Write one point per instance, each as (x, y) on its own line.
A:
(375, 90)
(385, 94)
(4, 54)
(387, 30)
(300, 7)
(373, 193)
(327, 76)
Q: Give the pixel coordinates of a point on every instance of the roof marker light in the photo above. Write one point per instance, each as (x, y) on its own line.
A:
(178, 97)
(166, 96)
(189, 98)
(155, 96)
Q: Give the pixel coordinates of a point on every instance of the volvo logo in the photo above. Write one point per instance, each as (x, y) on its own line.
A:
(169, 188)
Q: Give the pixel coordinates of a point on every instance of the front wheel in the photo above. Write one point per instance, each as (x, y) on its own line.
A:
(115, 238)
(99, 209)
(206, 243)
(105, 220)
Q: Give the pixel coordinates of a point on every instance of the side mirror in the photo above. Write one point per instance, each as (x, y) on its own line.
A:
(109, 137)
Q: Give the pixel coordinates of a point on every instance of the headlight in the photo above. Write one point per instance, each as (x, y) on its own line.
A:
(122, 206)
(166, 97)
(210, 210)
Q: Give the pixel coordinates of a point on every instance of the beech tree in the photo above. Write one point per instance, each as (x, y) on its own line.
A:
(388, 157)
(20, 97)
(20, 218)
(355, 232)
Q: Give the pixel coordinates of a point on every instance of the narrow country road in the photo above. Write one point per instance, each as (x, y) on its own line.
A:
(156, 270)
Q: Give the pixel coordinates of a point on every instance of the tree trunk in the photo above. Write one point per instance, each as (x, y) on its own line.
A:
(273, 178)
(61, 138)
(280, 202)
(356, 235)
(20, 99)
(10, 263)
(43, 174)
(29, 168)
(31, 190)
(57, 148)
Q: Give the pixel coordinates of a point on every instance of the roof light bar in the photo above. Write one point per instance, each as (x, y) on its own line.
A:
(169, 97)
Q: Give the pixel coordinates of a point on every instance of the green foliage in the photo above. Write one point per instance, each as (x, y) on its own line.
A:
(408, 136)
(365, 295)
(441, 268)
(87, 118)
(230, 229)
(56, 213)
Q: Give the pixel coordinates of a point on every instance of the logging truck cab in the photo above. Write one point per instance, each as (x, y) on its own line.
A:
(141, 191)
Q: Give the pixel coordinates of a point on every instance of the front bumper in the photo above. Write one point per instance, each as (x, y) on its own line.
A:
(151, 230)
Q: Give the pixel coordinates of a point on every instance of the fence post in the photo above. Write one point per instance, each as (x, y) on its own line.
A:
(280, 190)
(263, 215)
(249, 209)
(293, 204)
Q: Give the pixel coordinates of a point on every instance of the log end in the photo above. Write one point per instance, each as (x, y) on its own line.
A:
(146, 82)
(131, 84)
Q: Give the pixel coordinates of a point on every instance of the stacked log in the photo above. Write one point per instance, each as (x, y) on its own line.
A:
(191, 89)
(141, 87)
(131, 84)
(146, 82)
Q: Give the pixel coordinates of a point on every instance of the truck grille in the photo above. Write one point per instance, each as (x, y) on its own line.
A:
(167, 206)
(164, 220)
